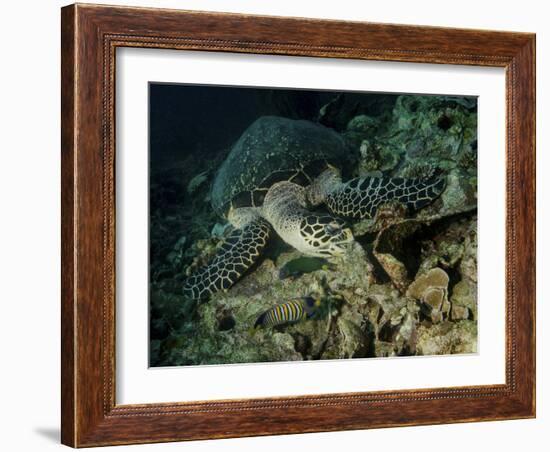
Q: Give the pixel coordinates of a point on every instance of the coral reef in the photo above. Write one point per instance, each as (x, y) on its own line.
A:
(407, 286)
(431, 290)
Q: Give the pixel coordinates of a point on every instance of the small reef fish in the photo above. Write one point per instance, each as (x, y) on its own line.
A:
(290, 312)
(299, 266)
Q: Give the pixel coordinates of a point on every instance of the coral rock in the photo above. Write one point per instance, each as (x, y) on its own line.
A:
(431, 290)
(435, 278)
(447, 338)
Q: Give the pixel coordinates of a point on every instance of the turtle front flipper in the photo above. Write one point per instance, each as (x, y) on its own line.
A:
(237, 254)
(361, 197)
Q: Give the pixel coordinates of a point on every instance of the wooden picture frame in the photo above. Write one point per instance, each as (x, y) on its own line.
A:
(90, 36)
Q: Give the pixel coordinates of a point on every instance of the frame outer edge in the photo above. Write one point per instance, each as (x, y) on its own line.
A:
(86, 418)
(68, 242)
(525, 63)
(534, 226)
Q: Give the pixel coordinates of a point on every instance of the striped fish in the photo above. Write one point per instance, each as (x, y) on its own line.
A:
(290, 312)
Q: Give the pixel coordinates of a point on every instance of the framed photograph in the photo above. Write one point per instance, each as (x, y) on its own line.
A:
(281, 225)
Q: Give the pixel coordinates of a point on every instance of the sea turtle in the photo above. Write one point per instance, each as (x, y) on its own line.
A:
(277, 173)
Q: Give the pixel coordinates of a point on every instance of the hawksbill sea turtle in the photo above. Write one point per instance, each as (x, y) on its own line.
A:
(276, 178)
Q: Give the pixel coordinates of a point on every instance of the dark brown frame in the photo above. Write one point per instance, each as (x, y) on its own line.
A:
(90, 35)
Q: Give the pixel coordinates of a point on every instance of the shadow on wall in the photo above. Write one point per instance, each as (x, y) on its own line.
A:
(50, 433)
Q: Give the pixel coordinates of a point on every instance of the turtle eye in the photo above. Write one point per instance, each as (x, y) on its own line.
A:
(333, 228)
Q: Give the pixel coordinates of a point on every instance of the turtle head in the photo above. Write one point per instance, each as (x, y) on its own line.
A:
(323, 236)
(325, 183)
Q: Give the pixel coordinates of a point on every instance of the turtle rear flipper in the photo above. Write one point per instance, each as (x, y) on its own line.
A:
(361, 197)
(238, 253)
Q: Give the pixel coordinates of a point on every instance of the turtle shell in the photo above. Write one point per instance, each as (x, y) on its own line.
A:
(270, 150)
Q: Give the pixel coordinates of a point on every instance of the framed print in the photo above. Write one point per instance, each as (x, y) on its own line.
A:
(281, 225)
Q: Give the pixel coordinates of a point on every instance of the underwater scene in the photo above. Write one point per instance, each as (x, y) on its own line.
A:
(292, 225)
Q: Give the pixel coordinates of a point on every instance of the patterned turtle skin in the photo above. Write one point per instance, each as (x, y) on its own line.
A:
(274, 176)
